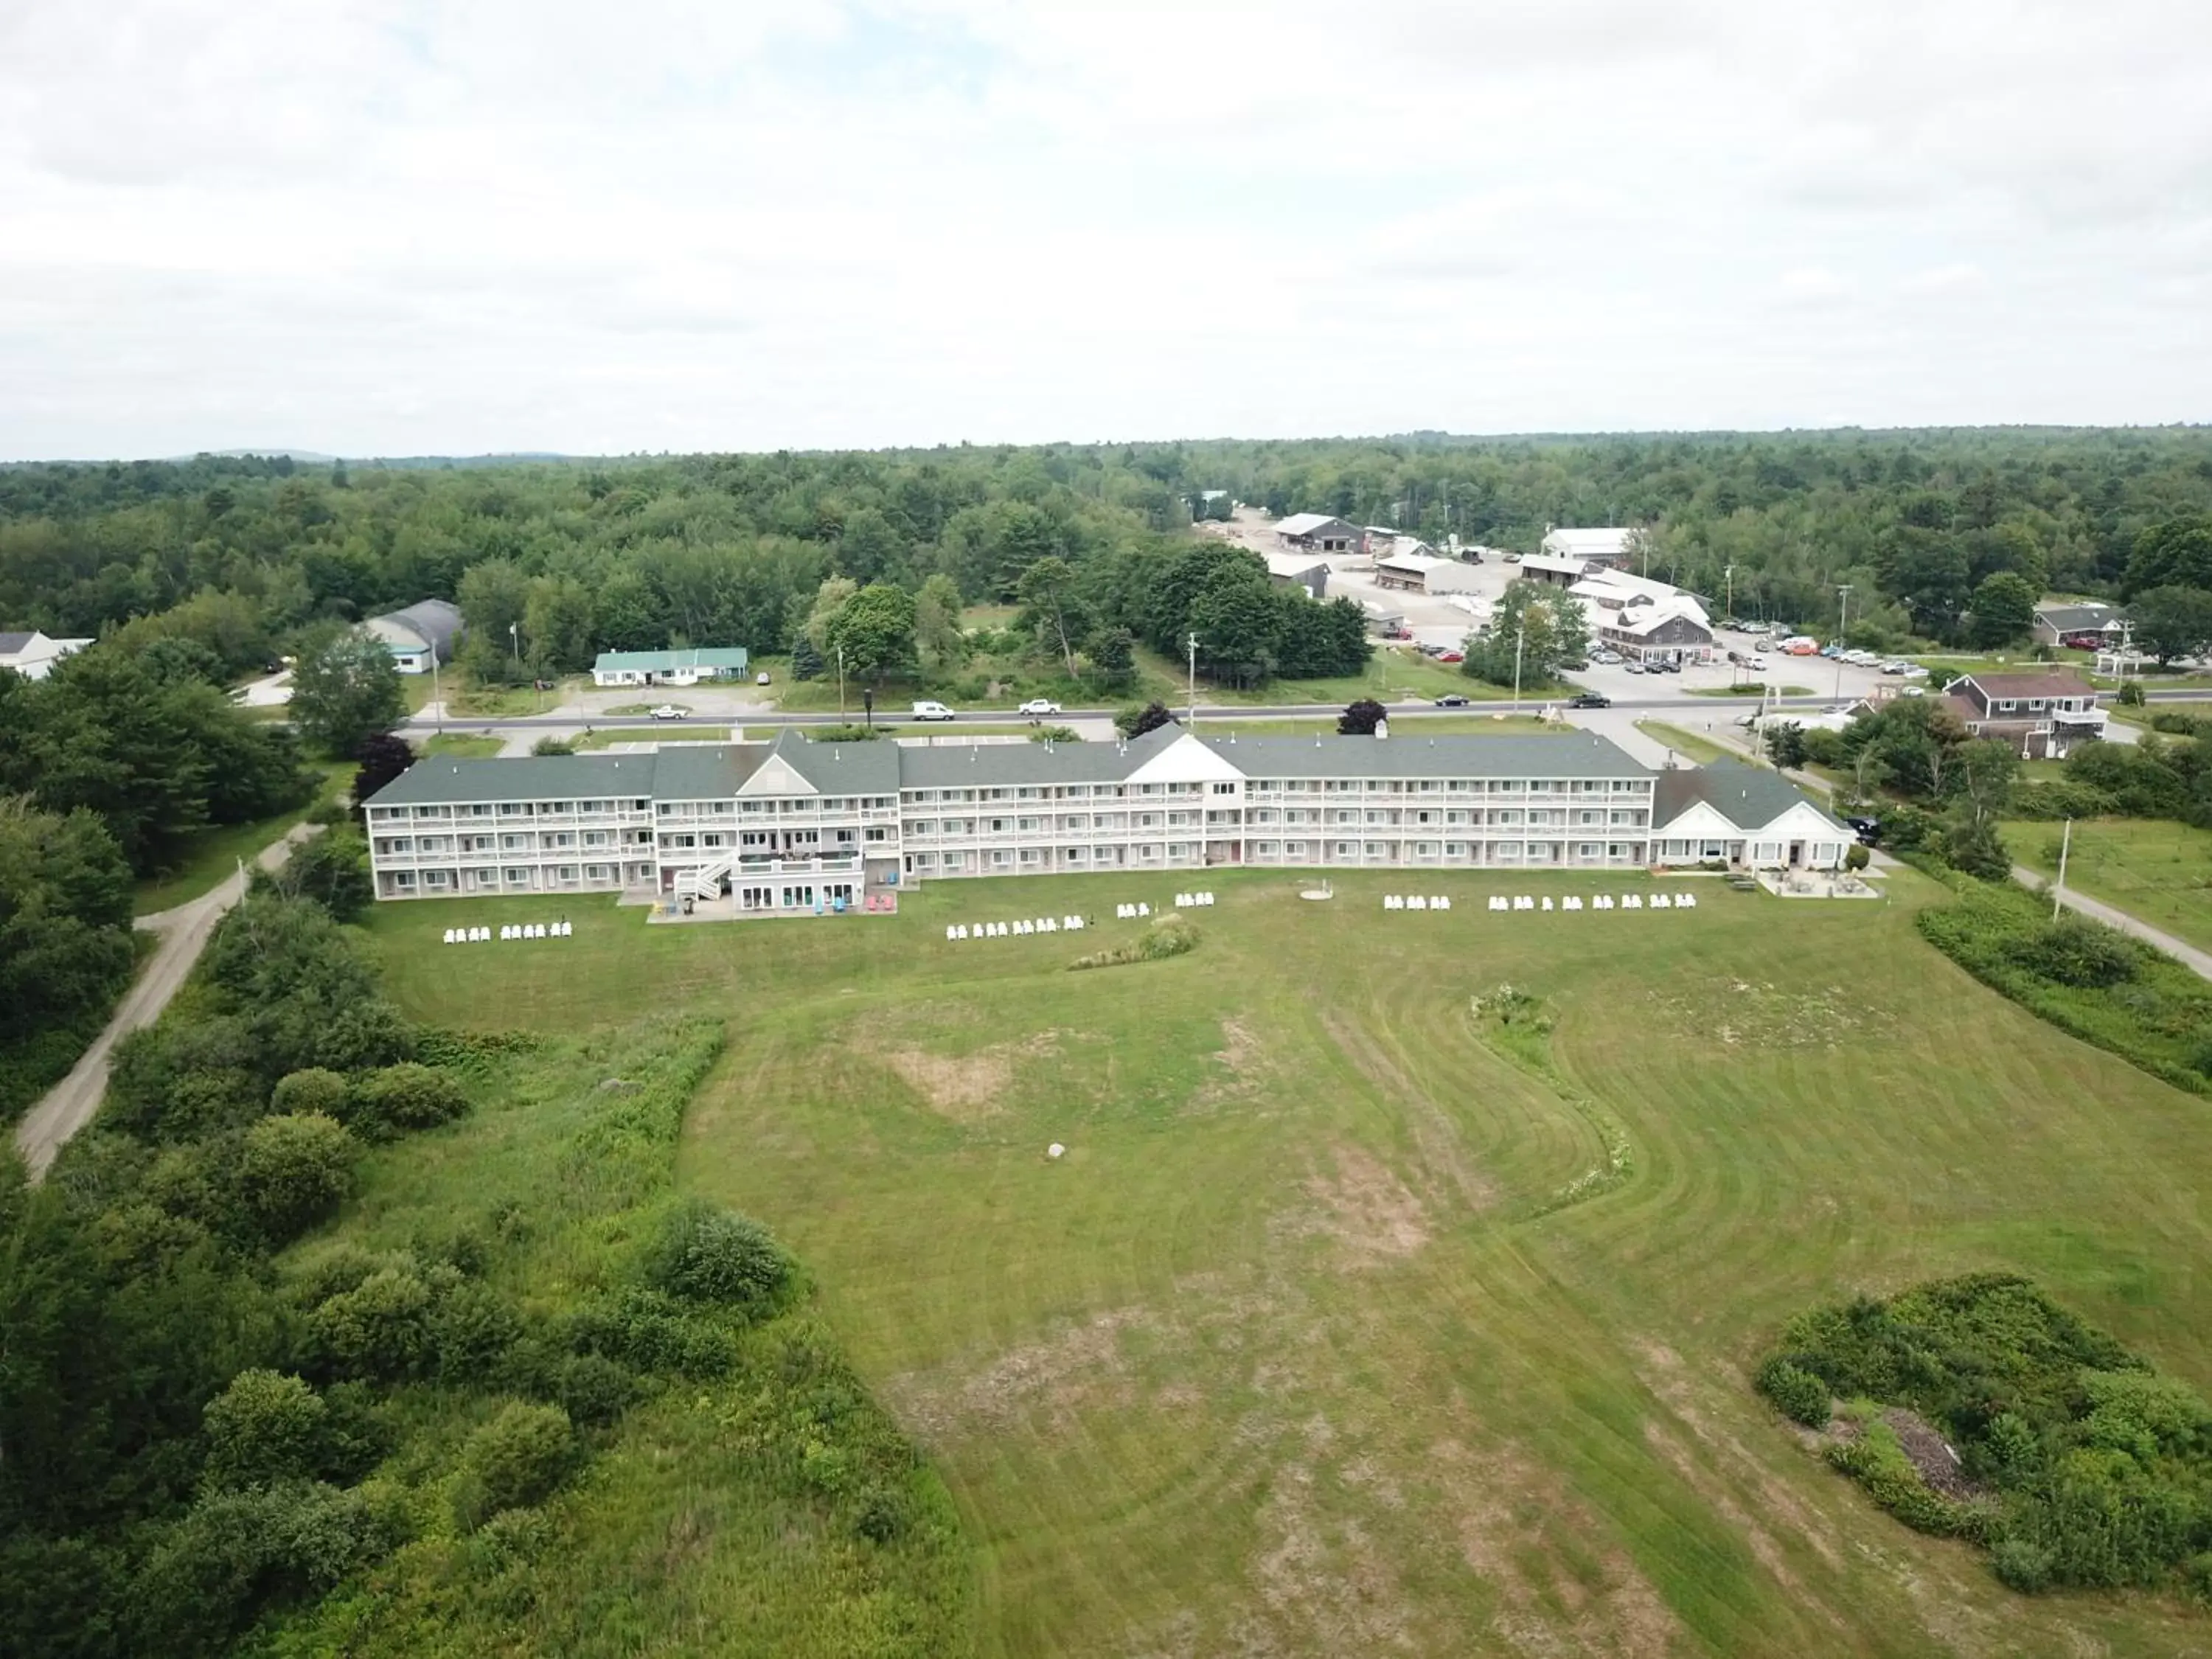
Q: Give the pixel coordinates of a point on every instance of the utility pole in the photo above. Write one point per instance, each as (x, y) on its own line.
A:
(1727, 606)
(514, 637)
(1843, 631)
(2058, 887)
(1519, 635)
(841, 683)
(437, 697)
(1192, 644)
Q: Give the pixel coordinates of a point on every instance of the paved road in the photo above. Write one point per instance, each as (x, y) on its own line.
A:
(185, 931)
(2188, 954)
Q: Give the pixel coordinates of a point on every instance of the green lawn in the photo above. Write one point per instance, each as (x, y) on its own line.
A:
(213, 854)
(1703, 750)
(461, 745)
(1305, 1348)
(1749, 688)
(2156, 870)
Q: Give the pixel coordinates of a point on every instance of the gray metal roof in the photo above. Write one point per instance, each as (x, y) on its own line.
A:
(842, 769)
(10, 644)
(1405, 754)
(704, 771)
(435, 622)
(440, 781)
(955, 766)
(1749, 797)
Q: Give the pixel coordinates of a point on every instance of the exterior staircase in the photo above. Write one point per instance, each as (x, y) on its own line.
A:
(705, 880)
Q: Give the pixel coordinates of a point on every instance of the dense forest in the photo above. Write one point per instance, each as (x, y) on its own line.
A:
(241, 554)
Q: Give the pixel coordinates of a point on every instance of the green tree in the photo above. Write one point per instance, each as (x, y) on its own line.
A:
(64, 920)
(830, 597)
(384, 758)
(495, 602)
(1112, 653)
(869, 549)
(937, 622)
(2176, 553)
(263, 1428)
(1051, 612)
(874, 630)
(1360, 718)
(293, 1171)
(558, 627)
(516, 1459)
(346, 690)
(2172, 621)
(332, 869)
(2003, 610)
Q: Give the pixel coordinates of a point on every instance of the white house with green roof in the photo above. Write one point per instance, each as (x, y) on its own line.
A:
(1744, 817)
(796, 825)
(685, 667)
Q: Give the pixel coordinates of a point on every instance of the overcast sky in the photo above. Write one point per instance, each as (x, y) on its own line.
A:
(430, 226)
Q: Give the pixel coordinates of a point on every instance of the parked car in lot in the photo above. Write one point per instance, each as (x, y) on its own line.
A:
(1590, 700)
(2084, 642)
(927, 710)
(1453, 656)
(1451, 700)
(761, 678)
(1868, 830)
(1036, 706)
(1610, 658)
(668, 711)
(1634, 668)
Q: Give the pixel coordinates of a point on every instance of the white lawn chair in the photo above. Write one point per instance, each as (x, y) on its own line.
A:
(1439, 902)
(951, 933)
(1660, 901)
(1570, 903)
(1602, 902)
(1631, 901)
(1075, 924)
(1185, 902)
(1522, 902)
(1144, 910)
(1498, 901)
(1415, 901)
(449, 936)
(1547, 901)
(1686, 901)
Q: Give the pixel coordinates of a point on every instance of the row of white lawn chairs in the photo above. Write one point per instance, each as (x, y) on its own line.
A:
(1192, 901)
(512, 930)
(1601, 902)
(1414, 901)
(1012, 929)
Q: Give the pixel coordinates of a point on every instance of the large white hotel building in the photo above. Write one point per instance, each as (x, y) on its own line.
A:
(794, 826)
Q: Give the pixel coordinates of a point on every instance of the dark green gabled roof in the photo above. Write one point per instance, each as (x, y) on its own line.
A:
(1002, 765)
(441, 782)
(842, 769)
(1406, 754)
(1748, 797)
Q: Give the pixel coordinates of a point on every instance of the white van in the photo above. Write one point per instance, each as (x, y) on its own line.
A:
(931, 711)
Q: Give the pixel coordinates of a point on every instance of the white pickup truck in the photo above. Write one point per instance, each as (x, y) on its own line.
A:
(931, 711)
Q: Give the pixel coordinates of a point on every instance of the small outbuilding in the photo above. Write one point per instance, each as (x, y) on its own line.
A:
(1318, 532)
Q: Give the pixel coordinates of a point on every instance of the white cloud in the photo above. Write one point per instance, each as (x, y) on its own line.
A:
(398, 226)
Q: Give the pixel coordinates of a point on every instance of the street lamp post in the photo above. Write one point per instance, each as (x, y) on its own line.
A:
(1191, 644)
(841, 683)
(1843, 632)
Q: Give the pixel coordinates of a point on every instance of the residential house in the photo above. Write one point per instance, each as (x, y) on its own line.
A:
(422, 633)
(33, 654)
(794, 826)
(1743, 817)
(686, 667)
(1318, 532)
(2042, 716)
(2057, 621)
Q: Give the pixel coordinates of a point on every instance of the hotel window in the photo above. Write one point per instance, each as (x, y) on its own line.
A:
(1712, 849)
(1001, 858)
(1295, 849)
(1225, 788)
(405, 879)
(1345, 849)
(1587, 850)
(517, 877)
(1073, 855)
(1031, 855)
(797, 897)
(437, 879)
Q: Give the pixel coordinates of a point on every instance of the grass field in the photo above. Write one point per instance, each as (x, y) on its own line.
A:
(461, 745)
(2156, 870)
(1308, 1346)
(1702, 751)
(1748, 688)
(212, 854)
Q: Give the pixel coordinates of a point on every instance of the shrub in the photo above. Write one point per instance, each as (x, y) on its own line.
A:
(1797, 1393)
(707, 1255)
(378, 1329)
(317, 1090)
(264, 1427)
(1135, 722)
(332, 869)
(408, 1095)
(1168, 936)
(1055, 734)
(293, 1171)
(549, 744)
(2021, 1566)
(593, 1390)
(2075, 951)
(2130, 693)
(847, 734)
(1856, 856)
(515, 1460)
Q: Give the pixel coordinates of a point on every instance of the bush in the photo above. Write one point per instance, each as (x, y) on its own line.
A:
(408, 1095)
(2021, 1566)
(379, 1329)
(263, 1428)
(1135, 721)
(1797, 1393)
(849, 733)
(1168, 936)
(707, 1255)
(332, 869)
(593, 1390)
(316, 1092)
(517, 1459)
(1055, 734)
(293, 1171)
(1856, 856)
(2075, 951)
(552, 746)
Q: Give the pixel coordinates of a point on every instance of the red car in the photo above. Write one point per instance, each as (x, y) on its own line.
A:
(1453, 656)
(2084, 641)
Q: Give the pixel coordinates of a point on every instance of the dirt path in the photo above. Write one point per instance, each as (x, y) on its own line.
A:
(2188, 954)
(185, 931)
